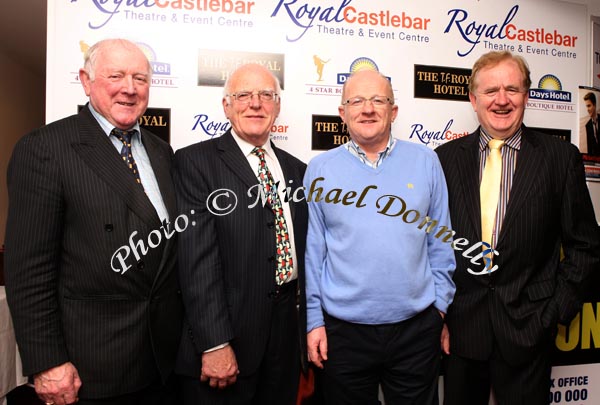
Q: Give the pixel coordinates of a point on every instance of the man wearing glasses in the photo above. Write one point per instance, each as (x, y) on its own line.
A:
(377, 284)
(241, 263)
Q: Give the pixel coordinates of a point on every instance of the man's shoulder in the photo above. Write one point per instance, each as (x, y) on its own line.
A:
(414, 149)
(205, 148)
(60, 133)
(457, 143)
(291, 159)
(327, 156)
(550, 142)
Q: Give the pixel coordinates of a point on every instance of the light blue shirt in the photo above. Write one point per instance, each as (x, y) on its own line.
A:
(142, 161)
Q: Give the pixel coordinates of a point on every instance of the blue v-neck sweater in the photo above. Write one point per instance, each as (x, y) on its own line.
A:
(367, 260)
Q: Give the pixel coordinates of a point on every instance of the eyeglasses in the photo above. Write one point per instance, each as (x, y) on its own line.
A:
(266, 96)
(377, 101)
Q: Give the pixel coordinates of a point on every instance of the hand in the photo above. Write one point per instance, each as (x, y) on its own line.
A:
(445, 340)
(316, 341)
(219, 367)
(58, 385)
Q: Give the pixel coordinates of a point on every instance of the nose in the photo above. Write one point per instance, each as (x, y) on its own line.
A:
(255, 101)
(502, 97)
(368, 106)
(128, 84)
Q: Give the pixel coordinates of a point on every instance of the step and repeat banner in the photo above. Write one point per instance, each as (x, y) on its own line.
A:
(425, 47)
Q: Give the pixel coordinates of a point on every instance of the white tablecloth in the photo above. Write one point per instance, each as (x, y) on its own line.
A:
(10, 361)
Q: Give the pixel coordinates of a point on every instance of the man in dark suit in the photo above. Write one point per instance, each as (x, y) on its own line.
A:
(591, 127)
(241, 261)
(90, 272)
(501, 324)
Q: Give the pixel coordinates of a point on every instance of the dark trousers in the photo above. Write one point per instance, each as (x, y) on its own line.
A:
(155, 394)
(403, 357)
(276, 380)
(468, 381)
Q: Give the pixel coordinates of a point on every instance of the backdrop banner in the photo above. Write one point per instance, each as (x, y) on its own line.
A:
(425, 47)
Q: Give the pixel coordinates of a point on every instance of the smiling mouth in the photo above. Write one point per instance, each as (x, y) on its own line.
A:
(502, 112)
(123, 103)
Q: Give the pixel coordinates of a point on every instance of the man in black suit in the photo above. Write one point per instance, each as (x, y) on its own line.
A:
(241, 343)
(591, 127)
(90, 272)
(501, 325)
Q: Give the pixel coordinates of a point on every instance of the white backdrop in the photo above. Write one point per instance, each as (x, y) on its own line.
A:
(190, 40)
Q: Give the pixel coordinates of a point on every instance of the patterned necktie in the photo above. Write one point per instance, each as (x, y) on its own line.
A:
(125, 138)
(489, 191)
(282, 238)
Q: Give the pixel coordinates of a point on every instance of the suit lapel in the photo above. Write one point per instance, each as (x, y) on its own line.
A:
(288, 174)
(160, 159)
(100, 155)
(233, 158)
(529, 161)
(468, 171)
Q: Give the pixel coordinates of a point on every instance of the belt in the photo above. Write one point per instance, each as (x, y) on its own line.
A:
(283, 289)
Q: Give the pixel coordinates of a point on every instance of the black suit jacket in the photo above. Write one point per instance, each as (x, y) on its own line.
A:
(227, 266)
(73, 203)
(593, 147)
(549, 206)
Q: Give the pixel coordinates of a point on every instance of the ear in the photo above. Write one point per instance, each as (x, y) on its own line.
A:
(84, 78)
(342, 112)
(473, 100)
(394, 112)
(225, 107)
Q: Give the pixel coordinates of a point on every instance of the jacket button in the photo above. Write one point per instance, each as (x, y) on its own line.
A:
(270, 225)
(271, 258)
(108, 227)
(141, 265)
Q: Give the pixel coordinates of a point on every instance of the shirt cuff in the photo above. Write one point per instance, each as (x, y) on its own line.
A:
(212, 349)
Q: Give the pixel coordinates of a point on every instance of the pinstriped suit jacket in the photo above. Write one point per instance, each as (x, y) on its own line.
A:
(549, 206)
(226, 262)
(73, 203)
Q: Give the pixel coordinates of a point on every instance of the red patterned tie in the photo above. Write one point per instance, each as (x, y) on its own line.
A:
(284, 253)
(125, 138)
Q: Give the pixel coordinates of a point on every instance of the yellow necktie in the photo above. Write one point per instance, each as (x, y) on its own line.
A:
(489, 190)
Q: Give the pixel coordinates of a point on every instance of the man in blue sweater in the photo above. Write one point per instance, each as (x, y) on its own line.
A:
(379, 262)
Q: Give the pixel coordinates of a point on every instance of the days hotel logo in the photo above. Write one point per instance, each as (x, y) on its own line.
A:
(358, 64)
(161, 71)
(550, 96)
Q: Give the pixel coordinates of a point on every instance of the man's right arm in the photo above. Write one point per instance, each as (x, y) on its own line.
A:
(316, 251)
(200, 274)
(33, 253)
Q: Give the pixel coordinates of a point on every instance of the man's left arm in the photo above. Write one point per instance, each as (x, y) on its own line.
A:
(579, 238)
(439, 249)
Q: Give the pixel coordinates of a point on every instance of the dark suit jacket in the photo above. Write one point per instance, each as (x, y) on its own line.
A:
(592, 144)
(73, 203)
(549, 206)
(227, 266)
